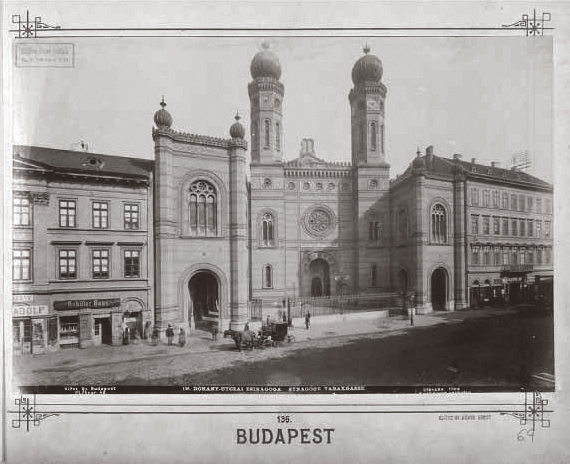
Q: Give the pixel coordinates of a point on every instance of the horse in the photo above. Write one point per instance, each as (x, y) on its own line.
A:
(242, 338)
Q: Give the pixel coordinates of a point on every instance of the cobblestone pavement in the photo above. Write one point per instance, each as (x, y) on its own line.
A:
(142, 363)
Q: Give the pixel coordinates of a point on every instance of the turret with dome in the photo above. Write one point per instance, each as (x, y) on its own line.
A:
(162, 118)
(368, 69)
(265, 64)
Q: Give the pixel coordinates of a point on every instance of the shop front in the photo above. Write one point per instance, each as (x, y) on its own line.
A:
(34, 330)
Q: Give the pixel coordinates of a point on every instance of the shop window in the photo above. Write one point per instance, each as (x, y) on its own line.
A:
(100, 211)
(267, 230)
(267, 276)
(69, 332)
(374, 275)
(67, 264)
(21, 212)
(67, 213)
(100, 264)
(132, 263)
(203, 204)
(131, 216)
(438, 224)
(21, 264)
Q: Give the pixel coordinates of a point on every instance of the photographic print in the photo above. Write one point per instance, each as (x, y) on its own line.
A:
(238, 219)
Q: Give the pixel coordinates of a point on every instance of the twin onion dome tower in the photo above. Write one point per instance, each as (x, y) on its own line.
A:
(266, 92)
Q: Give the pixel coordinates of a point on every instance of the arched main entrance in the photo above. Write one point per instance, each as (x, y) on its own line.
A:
(439, 289)
(403, 282)
(204, 299)
(319, 271)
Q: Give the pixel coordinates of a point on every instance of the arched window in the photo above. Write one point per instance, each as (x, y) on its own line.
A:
(382, 138)
(267, 276)
(267, 183)
(267, 131)
(277, 136)
(267, 230)
(202, 214)
(438, 224)
(403, 226)
(373, 136)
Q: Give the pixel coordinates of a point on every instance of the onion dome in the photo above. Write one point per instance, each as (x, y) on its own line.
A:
(265, 64)
(418, 162)
(162, 117)
(237, 131)
(367, 69)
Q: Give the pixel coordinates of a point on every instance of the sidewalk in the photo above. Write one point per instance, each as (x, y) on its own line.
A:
(198, 341)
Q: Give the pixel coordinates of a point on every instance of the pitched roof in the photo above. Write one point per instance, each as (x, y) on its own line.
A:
(80, 161)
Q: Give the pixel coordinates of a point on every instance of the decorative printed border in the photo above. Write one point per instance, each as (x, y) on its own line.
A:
(533, 26)
(532, 412)
(27, 29)
(27, 413)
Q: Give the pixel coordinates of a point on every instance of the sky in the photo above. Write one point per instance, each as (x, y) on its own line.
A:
(487, 98)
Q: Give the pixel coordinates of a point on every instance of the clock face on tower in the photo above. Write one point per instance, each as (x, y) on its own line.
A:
(373, 104)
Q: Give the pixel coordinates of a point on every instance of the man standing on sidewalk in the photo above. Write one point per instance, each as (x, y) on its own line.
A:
(170, 334)
(308, 320)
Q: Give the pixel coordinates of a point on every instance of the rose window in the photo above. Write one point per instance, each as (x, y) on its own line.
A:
(319, 222)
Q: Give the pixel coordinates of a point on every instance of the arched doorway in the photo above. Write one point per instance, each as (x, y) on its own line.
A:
(319, 271)
(204, 299)
(439, 289)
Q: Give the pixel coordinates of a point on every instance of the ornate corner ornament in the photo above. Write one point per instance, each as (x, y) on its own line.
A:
(28, 414)
(29, 29)
(533, 26)
(532, 413)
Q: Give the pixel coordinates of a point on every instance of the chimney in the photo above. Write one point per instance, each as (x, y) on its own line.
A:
(473, 160)
(457, 156)
(495, 164)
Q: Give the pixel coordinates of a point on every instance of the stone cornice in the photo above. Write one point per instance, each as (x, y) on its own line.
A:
(318, 172)
(191, 138)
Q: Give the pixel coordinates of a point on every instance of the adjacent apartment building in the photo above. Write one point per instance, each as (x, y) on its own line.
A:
(81, 248)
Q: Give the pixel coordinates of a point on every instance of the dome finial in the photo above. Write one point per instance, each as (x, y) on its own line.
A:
(162, 103)
(237, 116)
(237, 131)
(366, 48)
(265, 44)
(418, 153)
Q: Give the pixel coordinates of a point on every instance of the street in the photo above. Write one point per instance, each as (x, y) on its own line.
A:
(491, 348)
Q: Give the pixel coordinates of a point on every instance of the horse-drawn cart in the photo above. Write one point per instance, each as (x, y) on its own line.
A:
(269, 335)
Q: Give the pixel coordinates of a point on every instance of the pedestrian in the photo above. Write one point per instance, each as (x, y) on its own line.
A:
(246, 327)
(181, 337)
(284, 316)
(126, 336)
(215, 331)
(147, 330)
(268, 320)
(170, 334)
(154, 337)
(308, 320)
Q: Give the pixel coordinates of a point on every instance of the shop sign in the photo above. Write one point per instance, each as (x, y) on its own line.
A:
(35, 310)
(80, 304)
(22, 298)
